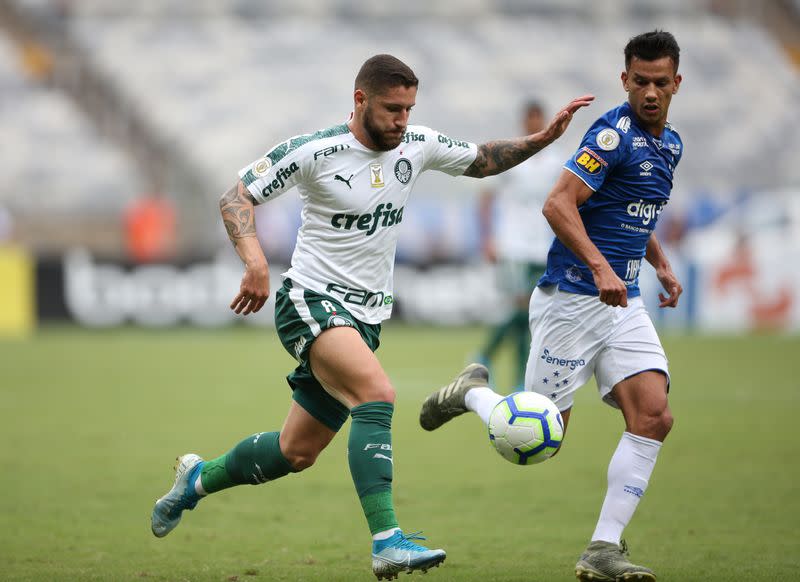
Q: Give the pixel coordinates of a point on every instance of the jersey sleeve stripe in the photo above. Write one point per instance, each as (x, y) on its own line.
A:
(580, 178)
(282, 150)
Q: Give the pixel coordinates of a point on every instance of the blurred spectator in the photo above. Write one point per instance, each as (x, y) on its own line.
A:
(516, 236)
(37, 61)
(6, 226)
(150, 228)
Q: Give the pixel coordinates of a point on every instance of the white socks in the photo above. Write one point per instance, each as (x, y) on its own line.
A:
(482, 401)
(198, 486)
(628, 474)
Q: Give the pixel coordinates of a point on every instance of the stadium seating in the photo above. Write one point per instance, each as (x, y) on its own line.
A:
(52, 159)
(225, 81)
(226, 88)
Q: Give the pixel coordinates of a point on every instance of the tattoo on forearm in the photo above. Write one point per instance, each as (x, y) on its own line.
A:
(498, 156)
(236, 206)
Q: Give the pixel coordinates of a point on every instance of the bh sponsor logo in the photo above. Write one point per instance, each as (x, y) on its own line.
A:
(589, 162)
(559, 361)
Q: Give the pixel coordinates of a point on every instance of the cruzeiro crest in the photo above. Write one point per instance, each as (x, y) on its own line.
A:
(402, 170)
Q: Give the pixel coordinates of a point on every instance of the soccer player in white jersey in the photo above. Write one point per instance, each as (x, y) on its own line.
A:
(586, 315)
(516, 237)
(354, 180)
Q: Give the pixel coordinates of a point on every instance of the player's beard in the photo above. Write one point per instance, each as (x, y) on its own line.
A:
(382, 142)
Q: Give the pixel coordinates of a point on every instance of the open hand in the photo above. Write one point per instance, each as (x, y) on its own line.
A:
(562, 119)
(254, 290)
(671, 284)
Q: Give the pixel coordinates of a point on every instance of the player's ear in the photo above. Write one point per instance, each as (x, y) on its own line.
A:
(624, 77)
(678, 79)
(359, 97)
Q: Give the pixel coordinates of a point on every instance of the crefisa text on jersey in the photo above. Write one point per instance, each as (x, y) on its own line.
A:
(281, 175)
(369, 222)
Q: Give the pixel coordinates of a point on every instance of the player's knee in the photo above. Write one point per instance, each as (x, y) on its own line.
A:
(379, 390)
(654, 424)
(300, 459)
(385, 393)
(300, 453)
(667, 420)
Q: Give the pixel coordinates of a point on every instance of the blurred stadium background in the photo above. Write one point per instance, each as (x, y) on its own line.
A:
(123, 122)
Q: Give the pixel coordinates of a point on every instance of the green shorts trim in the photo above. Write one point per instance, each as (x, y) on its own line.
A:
(300, 316)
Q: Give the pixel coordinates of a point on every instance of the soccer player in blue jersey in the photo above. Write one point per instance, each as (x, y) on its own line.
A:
(586, 314)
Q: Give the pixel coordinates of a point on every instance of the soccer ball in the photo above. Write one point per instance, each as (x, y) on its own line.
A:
(526, 428)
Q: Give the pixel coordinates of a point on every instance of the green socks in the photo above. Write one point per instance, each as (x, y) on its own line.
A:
(257, 459)
(370, 456)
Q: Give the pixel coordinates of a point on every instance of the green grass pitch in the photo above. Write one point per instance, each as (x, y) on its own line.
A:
(90, 423)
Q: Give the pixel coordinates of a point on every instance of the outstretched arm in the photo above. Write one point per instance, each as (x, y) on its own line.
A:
(237, 206)
(655, 256)
(561, 211)
(500, 155)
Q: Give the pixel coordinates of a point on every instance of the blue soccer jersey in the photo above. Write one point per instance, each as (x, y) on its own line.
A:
(630, 173)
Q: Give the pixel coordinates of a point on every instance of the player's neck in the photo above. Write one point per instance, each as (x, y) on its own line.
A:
(361, 135)
(654, 129)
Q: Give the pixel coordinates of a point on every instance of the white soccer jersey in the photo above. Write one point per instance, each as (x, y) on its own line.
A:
(521, 231)
(353, 202)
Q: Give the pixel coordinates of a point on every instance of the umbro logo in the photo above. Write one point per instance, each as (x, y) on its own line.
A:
(338, 177)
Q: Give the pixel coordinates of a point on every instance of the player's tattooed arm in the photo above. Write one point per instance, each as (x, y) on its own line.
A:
(237, 208)
(498, 156)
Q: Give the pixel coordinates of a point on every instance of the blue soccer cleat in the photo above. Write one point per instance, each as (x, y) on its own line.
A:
(399, 554)
(168, 509)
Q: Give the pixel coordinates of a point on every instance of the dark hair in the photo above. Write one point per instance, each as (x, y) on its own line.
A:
(651, 46)
(533, 106)
(383, 72)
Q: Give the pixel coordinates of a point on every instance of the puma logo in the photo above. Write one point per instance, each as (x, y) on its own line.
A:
(338, 177)
(380, 456)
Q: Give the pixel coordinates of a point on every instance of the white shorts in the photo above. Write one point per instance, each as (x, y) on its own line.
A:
(574, 336)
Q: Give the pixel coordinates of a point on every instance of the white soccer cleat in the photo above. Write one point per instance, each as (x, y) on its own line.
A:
(168, 509)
